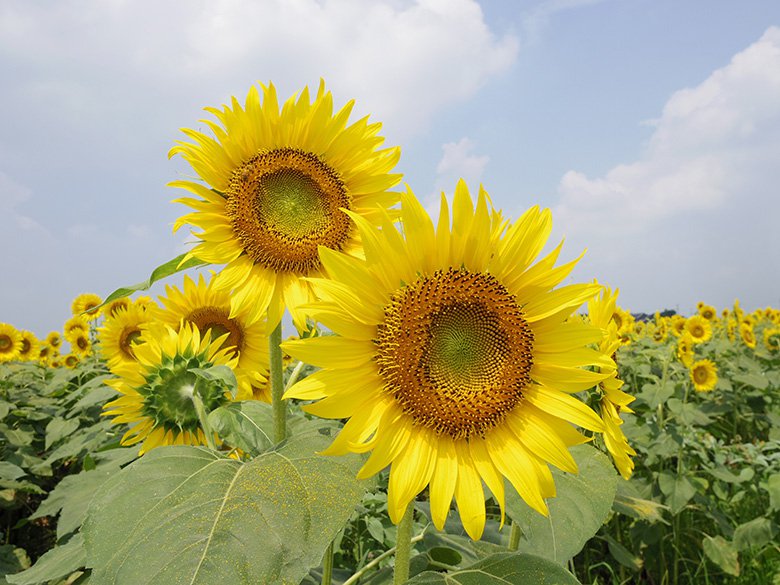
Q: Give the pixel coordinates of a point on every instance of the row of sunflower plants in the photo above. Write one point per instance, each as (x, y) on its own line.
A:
(705, 425)
(443, 414)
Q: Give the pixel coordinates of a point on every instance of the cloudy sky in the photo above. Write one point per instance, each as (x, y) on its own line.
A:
(650, 127)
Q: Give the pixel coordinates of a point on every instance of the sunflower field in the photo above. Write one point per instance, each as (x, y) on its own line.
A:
(446, 406)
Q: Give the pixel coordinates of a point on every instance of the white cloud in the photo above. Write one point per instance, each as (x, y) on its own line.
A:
(703, 191)
(458, 161)
(403, 60)
(12, 194)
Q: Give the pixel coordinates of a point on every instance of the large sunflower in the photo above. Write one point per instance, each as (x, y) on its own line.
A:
(278, 183)
(209, 310)
(156, 396)
(453, 358)
(10, 343)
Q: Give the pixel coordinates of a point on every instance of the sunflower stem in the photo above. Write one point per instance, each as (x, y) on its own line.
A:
(354, 579)
(514, 537)
(403, 549)
(277, 383)
(327, 565)
(204, 421)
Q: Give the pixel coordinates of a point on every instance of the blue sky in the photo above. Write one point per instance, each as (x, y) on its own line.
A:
(650, 127)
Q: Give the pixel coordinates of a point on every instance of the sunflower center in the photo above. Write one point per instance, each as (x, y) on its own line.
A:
(5, 343)
(697, 331)
(283, 204)
(26, 345)
(700, 375)
(455, 352)
(167, 395)
(218, 321)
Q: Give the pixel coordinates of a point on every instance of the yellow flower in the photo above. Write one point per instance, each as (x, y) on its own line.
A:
(708, 312)
(704, 374)
(685, 352)
(454, 357)
(74, 326)
(278, 183)
(54, 339)
(772, 339)
(157, 396)
(81, 345)
(30, 345)
(10, 343)
(86, 305)
(748, 335)
(71, 360)
(699, 328)
(615, 440)
(209, 310)
(678, 325)
(122, 330)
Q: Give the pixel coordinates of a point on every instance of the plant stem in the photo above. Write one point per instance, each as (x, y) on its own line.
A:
(204, 420)
(358, 574)
(514, 537)
(403, 546)
(327, 565)
(277, 383)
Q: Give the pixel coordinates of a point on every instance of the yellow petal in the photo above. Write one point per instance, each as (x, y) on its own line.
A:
(443, 481)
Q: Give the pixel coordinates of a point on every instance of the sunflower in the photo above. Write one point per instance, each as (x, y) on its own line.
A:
(29, 349)
(279, 182)
(708, 312)
(771, 337)
(86, 305)
(71, 360)
(111, 308)
(75, 326)
(747, 335)
(157, 396)
(699, 328)
(454, 359)
(704, 374)
(685, 352)
(601, 310)
(677, 325)
(122, 330)
(45, 354)
(54, 339)
(81, 345)
(208, 309)
(10, 343)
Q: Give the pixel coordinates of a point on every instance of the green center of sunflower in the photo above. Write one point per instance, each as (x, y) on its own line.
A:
(455, 352)
(5, 342)
(283, 204)
(167, 394)
(217, 320)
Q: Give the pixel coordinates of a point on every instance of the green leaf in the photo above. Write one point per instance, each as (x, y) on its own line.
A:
(755, 533)
(623, 556)
(757, 381)
(655, 394)
(677, 489)
(58, 562)
(502, 569)
(185, 514)
(162, 271)
(723, 474)
(221, 375)
(59, 428)
(773, 487)
(12, 559)
(11, 471)
(580, 508)
(72, 496)
(721, 552)
(628, 501)
(246, 425)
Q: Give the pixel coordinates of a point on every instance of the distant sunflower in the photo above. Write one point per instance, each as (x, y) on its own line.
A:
(771, 337)
(157, 396)
(45, 354)
(74, 326)
(10, 343)
(453, 357)
(111, 308)
(71, 360)
(677, 325)
(54, 339)
(279, 182)
(208, 308)
(122, 330)
(81, 345)
(685, 352)
(699, 328)
(704, 374)
(30, 345)
(86, 305)
(708, 312)
(748, 335)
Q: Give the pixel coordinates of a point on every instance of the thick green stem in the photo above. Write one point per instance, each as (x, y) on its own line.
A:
(403, 549)
(327, 565)
(514, 537)
(277, 384)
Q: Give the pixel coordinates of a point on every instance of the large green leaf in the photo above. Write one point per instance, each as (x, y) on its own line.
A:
(722, 553)
(757, 532)
(502, 569)
(246, 425)
(677, 489)
(187, 515)
(59, 428)
(576, 513)
(162, 271)
(58, 562)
